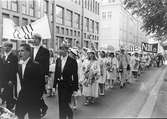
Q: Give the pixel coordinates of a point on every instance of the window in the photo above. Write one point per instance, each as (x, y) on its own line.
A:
(75, 33)
(67, 32)
(109, 1)
(14, 5)
(45, 6)
(5, 4)
(97, 8)
(62, 30)
(24, 21)
(86, 24)
(78, 34)
(85, 3)
(76, 20)
(86, 44)
(109, 15)
(59, 15)
(57, 29)
(85, 35)
(91, 26)
(32, 21)
(103, 15)
(70, 32)
(68, 18)
(31, 7)
(16, 20)
(24, 9)
(5, 15)
(91, 5)
(97, 27)
(52, 12)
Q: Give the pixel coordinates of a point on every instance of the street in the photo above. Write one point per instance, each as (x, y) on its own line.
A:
(117, 103)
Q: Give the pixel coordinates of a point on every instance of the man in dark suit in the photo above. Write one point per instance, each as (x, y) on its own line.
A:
(10, 61)
(41, 55)
(66, 76)
(29, 96)
(1, 72)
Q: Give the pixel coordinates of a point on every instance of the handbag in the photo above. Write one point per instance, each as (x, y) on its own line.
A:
(128, 67)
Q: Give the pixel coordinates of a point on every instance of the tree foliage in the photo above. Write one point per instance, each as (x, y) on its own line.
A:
(153, 14)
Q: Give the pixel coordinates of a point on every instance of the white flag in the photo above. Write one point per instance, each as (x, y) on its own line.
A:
(8, 28)
(40, 26)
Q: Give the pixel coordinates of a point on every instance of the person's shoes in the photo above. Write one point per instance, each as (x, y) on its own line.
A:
(75, 107)
(44, 111)
(86, 103)
(92, 101)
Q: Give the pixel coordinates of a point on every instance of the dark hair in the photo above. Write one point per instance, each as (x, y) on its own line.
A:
(27, 47)
(37, 36)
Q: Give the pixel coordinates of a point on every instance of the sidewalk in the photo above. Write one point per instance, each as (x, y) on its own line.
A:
(160, 109)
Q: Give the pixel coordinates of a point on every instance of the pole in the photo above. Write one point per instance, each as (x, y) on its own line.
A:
(82, 24)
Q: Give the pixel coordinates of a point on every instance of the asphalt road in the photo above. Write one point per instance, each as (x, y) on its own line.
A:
(116, 103)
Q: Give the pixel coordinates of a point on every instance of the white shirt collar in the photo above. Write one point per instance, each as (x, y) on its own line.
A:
(26, 61)
(37, 47)
(7, 54)
(64, 58)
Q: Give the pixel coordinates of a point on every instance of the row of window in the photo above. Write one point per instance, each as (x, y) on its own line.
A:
(66, 31)
(67, 17)
(73, 20)
(16, 19)
(107, 15)
(27, 6)
(91, 26)
(92, 5)
(70, 32)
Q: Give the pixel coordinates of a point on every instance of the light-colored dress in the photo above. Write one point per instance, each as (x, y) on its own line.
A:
(114, 67)
(103, 73)
(51, 77)
(134, 64)
(123, 62)
(90, 85)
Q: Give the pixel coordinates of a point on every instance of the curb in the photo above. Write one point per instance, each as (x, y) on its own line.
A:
(148, 107)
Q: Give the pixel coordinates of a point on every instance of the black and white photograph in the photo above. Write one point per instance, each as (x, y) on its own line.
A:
(83, 59)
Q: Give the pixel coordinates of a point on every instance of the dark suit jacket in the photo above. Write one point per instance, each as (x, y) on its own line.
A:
(10, 68)
(30, 84)
(42, 57)
(69, 74)
(1, 73)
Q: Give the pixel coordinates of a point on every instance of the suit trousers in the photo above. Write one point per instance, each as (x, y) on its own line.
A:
(65, 95)
(7, 95)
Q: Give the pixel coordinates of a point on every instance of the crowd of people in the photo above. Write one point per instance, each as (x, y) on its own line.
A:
(101, 70)
(34, 71)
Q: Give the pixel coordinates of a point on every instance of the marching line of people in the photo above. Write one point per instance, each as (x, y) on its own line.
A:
(33, 71)
(100, 70)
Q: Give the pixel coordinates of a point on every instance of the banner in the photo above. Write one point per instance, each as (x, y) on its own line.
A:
(153, 48)
(40, 26)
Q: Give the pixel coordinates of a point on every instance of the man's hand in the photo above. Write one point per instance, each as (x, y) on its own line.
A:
(10, 83)
(46, 78)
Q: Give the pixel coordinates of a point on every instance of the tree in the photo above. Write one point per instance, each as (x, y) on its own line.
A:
(153, 14)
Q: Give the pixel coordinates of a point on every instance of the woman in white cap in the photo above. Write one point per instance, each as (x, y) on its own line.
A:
(91, 76)
(134, 65)
(123, 64)
(103, 73)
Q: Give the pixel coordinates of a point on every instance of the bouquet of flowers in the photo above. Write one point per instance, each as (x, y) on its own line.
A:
(6, 114)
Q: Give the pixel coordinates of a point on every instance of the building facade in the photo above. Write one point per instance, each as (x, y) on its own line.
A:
(76, 21)
(118, 26)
